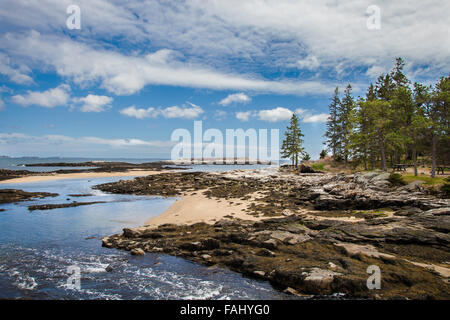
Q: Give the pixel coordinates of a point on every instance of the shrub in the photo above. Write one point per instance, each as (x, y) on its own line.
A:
(445, 188)
(396, 179)
(323, 154)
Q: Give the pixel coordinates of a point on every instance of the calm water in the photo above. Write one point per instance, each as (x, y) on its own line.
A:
(36, 248)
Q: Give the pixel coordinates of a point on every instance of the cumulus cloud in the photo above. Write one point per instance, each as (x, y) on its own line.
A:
(283, 114)
(95, 103)
(50, 98)
(191, 112)
(308, 117)
(244, 115)
(275, 115)
(132, 111)
(235, 97)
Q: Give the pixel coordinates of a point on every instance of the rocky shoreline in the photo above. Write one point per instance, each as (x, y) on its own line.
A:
(317, 235)
(91, 166)
(16, 195)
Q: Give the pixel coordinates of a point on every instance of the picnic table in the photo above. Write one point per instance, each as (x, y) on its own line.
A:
(442, 169)
(399, 167)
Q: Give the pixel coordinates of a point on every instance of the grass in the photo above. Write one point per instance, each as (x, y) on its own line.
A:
(427, 179)
(317, 166)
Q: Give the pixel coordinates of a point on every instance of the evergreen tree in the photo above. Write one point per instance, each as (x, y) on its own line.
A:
(333, 130)
(292, 143)
(345, 120)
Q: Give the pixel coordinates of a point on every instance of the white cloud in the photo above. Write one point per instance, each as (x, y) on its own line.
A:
(184, 113)
(127, 74)
(2, 104)
(308, 117)
(243, 115)
(275, 115)
(191, 112)
(16, 75)
(283, 114)
(23, 144)
(95, 103)
(310, 63)
(375, 71)
(140, 113)
(235, 97)
(50, 98)
(220, 115)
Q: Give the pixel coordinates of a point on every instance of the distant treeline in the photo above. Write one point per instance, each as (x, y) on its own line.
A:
(396, 122)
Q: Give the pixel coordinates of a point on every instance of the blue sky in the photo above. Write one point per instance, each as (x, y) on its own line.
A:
(134, 72)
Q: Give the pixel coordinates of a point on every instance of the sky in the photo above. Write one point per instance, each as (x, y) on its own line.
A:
(135, 71)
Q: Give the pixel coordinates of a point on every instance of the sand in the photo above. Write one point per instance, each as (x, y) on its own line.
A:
(82, 175)
(194, 208)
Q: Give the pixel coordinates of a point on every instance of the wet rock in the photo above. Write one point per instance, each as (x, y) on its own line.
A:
(137, 252)
(16, 195)
(61, 205)
(131, 233)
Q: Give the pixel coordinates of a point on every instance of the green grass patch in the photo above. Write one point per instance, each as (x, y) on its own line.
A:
(428, 180)
(317, 166)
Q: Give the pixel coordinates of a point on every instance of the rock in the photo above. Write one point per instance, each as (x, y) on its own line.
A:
(265, 253)
(413, 186)
(109, 268)
(319, 280)
(331, 265)
(292, 291)
(269, 244)
(439, 212)
(205, 257)
(157, 249)
(131, 233)
(380, 177)
(210, 244)
(137, 252)
(106, 243)
(259, 273)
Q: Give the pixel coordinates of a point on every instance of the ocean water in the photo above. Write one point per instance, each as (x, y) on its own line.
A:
(38, 247)
(19, 163)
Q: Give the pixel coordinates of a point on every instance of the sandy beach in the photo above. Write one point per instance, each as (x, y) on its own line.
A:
(81, 175)
(194, 208)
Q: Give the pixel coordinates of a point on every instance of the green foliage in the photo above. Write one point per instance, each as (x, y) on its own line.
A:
(292, 143)
(306, 156)
(323, 154)
(396, 179)
(445, 188)
(395, 122)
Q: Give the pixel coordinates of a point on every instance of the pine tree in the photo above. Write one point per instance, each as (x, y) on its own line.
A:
(292, 144)
(345, 120)
(333, 130)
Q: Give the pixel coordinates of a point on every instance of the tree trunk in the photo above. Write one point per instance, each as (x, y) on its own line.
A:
(414, 155)
(433, 155)
(383, 156)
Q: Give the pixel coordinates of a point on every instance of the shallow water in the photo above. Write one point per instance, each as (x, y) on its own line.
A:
(37, 247)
